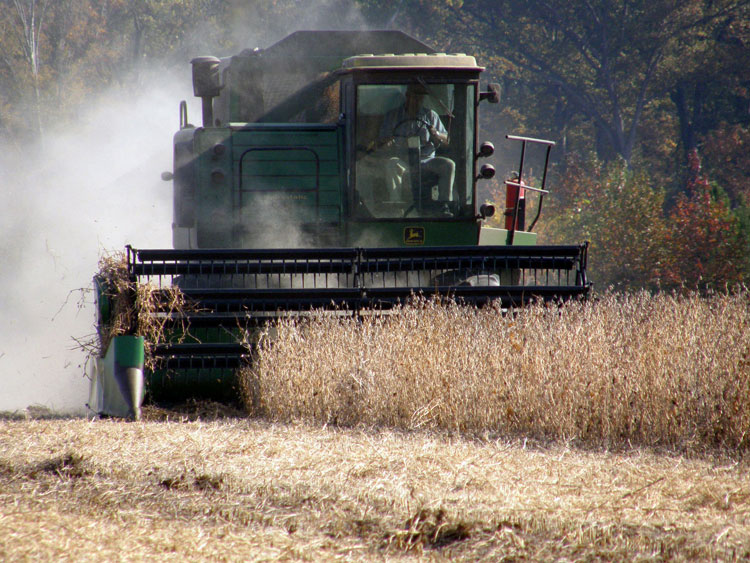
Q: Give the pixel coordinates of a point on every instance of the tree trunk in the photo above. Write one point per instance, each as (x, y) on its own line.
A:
(29, 39)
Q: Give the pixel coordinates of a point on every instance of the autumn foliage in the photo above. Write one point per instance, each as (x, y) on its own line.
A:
(641, 239)
(703, 239)
(619, 213)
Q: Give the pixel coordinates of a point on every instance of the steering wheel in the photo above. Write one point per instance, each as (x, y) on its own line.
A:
(418, 120)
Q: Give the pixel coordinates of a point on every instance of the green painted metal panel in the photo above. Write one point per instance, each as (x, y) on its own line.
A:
(329, 213)
(129, 351)
(522, 238)
(117, 384)
(325, 153)
(280, 183)
(215, 383)
(496, 237)
(307, 199)
(396, 233)
(292, 176)
(325, 214)
(282, 168)
(287, 138)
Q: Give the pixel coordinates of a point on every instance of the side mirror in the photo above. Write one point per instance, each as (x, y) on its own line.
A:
(167, 176)
(486, 210)
(492, 95)
(486, 172)
(486, 149)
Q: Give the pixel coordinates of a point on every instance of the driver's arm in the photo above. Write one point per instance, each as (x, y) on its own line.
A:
(438, 132)
(379, 143)
(441, 138)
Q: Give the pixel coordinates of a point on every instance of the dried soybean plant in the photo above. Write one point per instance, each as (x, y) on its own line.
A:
(141, 309)
(655, 370)
(115, 293)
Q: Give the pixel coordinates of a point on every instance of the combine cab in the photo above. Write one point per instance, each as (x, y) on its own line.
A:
(322, 179)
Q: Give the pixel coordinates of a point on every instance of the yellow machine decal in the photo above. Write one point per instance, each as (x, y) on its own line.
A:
(414, 235)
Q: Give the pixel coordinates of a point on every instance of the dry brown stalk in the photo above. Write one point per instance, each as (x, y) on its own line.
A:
(119, 290)
(140, 309)
(656, 370)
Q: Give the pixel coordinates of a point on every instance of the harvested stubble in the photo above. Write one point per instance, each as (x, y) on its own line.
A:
(638, 369)
(248, 490)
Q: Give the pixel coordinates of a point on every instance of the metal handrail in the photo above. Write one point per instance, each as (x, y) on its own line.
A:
(520, 184)
(525, 186)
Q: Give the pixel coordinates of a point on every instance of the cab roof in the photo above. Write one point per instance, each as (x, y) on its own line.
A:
(453, 61)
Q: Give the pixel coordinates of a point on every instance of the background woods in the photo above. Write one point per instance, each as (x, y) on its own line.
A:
(649, 102)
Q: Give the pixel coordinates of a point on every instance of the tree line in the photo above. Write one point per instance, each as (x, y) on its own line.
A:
(648, 101)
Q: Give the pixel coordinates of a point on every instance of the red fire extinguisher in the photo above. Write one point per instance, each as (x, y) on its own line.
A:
(515, 204)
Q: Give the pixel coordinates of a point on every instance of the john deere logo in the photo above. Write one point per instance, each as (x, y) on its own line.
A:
(414, 235)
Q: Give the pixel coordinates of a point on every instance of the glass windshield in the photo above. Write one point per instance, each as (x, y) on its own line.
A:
(414, 150)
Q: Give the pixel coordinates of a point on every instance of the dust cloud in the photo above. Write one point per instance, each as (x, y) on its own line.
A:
(94, 187)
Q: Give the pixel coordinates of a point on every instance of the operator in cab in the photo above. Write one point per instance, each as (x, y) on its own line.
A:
(413, 120)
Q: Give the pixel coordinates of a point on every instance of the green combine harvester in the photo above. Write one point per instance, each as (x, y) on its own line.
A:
(334, 171)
